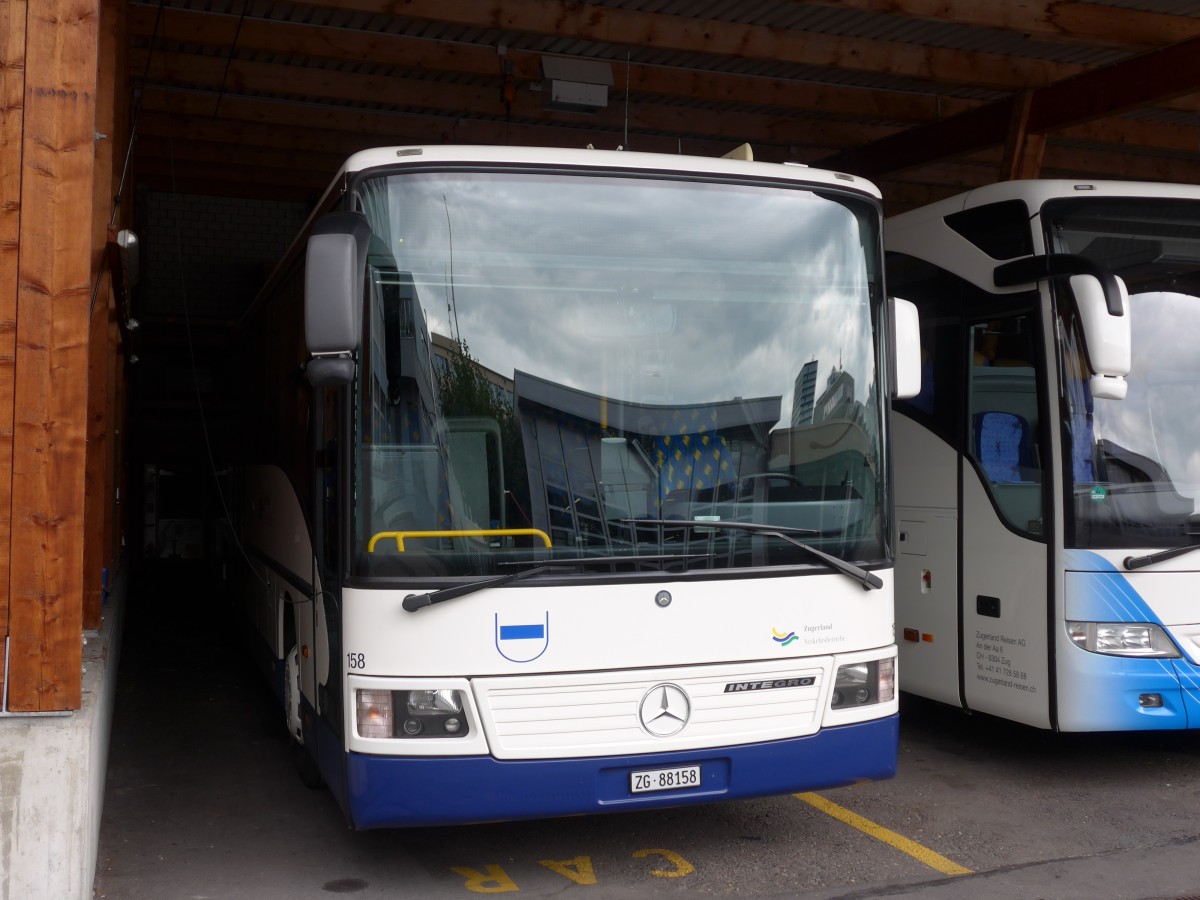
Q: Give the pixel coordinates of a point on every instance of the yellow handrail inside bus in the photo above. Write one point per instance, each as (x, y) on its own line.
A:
(471, 532)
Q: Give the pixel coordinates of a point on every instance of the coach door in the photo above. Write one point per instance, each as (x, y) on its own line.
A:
(1003, 549)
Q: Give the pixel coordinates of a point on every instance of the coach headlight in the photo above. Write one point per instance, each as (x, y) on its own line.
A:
(437, 713)
(864, 683)
(1123, 639)
(410, 714)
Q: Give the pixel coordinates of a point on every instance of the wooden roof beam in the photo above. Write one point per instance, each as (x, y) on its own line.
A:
(1058, 20)
(373, 128)
(1140, 81)
(262, 36)
(630, 28)
(418, 96)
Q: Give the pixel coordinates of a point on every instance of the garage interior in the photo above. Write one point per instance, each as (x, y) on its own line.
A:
(207, 129)
(245, 109)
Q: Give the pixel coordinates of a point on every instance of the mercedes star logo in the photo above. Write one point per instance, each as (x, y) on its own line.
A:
(664, 710)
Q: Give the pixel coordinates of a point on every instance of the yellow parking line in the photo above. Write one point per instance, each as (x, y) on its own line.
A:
(866, 826)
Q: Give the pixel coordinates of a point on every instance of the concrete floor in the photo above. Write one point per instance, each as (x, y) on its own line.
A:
(202, 801)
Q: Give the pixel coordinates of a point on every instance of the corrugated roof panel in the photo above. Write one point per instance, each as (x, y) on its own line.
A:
(824, 22)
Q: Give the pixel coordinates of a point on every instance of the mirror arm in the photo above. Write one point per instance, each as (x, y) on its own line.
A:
(1030, 269)
(330, 371)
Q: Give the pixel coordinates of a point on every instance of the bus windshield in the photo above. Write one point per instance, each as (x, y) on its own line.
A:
(1134, 470)
(551, 358)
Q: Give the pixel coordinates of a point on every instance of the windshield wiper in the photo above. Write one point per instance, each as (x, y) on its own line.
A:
(413, 602)
(869, 580)
(1138, 562)
(1191, 528)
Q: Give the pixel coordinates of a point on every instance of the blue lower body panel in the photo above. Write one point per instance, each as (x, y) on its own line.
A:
(1102, 692)
(391, 791)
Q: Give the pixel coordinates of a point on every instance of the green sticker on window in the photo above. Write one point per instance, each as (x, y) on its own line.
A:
(1099, 492)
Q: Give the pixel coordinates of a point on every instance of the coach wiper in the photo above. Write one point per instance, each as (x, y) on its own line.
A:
(1191, 529)
(869, 580)
(413, 602)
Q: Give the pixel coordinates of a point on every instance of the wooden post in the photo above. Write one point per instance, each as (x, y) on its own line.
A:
(99, 490)
(12, 95)
(53, 289)
(1023, 150)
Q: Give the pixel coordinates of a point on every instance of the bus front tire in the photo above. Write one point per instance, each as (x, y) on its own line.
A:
(306, 766)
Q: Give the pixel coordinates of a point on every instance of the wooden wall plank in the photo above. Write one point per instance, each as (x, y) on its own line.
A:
(12, 100)
(98, 487)
(53, 290)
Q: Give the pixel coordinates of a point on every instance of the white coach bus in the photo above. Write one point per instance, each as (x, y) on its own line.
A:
(568, 486)
(1049, 469)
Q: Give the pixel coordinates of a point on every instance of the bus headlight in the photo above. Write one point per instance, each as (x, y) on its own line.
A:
(864, 683)
(420, 714)
(1123, 639)
(437, 713)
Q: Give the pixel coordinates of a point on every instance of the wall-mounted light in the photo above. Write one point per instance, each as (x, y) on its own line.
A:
(576, 85)
(127, 246)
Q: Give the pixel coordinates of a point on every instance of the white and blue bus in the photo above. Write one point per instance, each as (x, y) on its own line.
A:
(567, 485)
(1048, 471)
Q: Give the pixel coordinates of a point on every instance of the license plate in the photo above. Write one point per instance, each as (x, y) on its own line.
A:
(664, 779)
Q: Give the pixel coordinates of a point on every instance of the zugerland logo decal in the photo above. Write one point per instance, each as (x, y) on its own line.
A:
(784, 639)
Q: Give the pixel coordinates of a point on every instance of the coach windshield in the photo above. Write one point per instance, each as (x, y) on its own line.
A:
(1134, 463)
(541, 384)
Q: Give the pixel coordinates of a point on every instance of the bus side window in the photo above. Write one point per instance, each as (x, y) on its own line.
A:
(939, 296)
(1003, 418)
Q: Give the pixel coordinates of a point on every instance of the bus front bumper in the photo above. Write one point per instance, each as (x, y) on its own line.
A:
(390, 791)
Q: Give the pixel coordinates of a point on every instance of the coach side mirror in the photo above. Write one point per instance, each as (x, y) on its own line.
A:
(1108, 337)
(1103, 303)
(906, 339)
(1032, 269)
(335, 266)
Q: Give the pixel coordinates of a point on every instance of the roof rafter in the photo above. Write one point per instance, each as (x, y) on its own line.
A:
(431, 97)
(635, 28)
(1143, 80)
(263, 36)
(1061, 20)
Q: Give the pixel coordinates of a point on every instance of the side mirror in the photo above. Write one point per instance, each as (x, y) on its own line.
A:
(335, 266)
(1103, 303)
(1108, 337)
(1031, 269)
(906, 341)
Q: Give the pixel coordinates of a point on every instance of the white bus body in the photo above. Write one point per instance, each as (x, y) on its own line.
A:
(1047, 473)
(568, 487)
